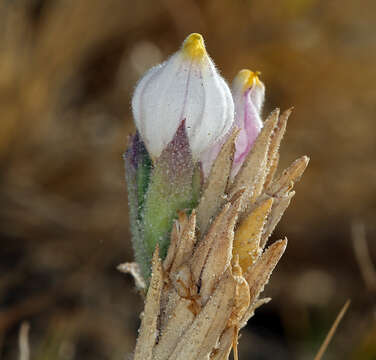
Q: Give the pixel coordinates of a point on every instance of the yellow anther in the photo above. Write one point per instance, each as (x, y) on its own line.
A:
(194, 47)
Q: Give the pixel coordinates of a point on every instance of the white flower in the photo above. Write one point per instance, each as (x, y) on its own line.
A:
(185, 87)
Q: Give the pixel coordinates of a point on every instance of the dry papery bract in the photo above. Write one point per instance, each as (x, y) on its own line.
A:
(209, 284)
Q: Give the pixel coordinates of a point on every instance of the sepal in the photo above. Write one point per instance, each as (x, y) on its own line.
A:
(137, 173)
(170, 190)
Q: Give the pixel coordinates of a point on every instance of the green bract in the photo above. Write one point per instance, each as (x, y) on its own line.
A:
(157, 191)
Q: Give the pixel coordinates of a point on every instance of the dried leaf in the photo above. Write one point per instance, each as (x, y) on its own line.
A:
(201, 252)
(213, 197)
(258, 275)
(253, 170)
(289, 177)
(186, 242)
(171, 252)
(178, 320)
(279, 207)
(275, 142)
(273, 155)
(169, 301)
(241, 299)
(148, 330)
(273, 166)
(182, 281)
(248, 235)
(213, 254)
(225, 345)
(197, 342)
(279, 133)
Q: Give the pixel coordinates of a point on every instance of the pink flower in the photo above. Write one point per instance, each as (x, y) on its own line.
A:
(248, 93)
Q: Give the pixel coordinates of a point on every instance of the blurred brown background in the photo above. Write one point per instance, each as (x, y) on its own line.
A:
(67, 71)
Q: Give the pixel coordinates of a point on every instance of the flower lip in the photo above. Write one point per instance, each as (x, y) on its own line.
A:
(194, 46)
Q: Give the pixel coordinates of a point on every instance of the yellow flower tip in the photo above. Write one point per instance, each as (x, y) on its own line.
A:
(248, 78)
(194, 46)
(257, 78)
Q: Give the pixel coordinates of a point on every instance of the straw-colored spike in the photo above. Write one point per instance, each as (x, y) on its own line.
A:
(276, 139)
(279, 133)
(272, 171)
(186, 242)
(196, 343)
(248, 235)
(182, 280)
(213, 198)
(148, 329)
(273, 154)
(169, 301)
(229, 338)
(279, 207)
(217, 228)
(258, 275)
(179, 319)
(202, 250)
(242, 298)
(220, 253)
(210, 281)
(272, 157)
(253, 170)
(289, 177)
(225, 345)
(171, 252)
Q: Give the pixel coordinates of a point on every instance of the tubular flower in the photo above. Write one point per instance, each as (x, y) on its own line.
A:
(248, 93)
(187, 87)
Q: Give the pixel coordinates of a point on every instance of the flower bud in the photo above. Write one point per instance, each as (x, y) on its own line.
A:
(248, 93)
(185, 87)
